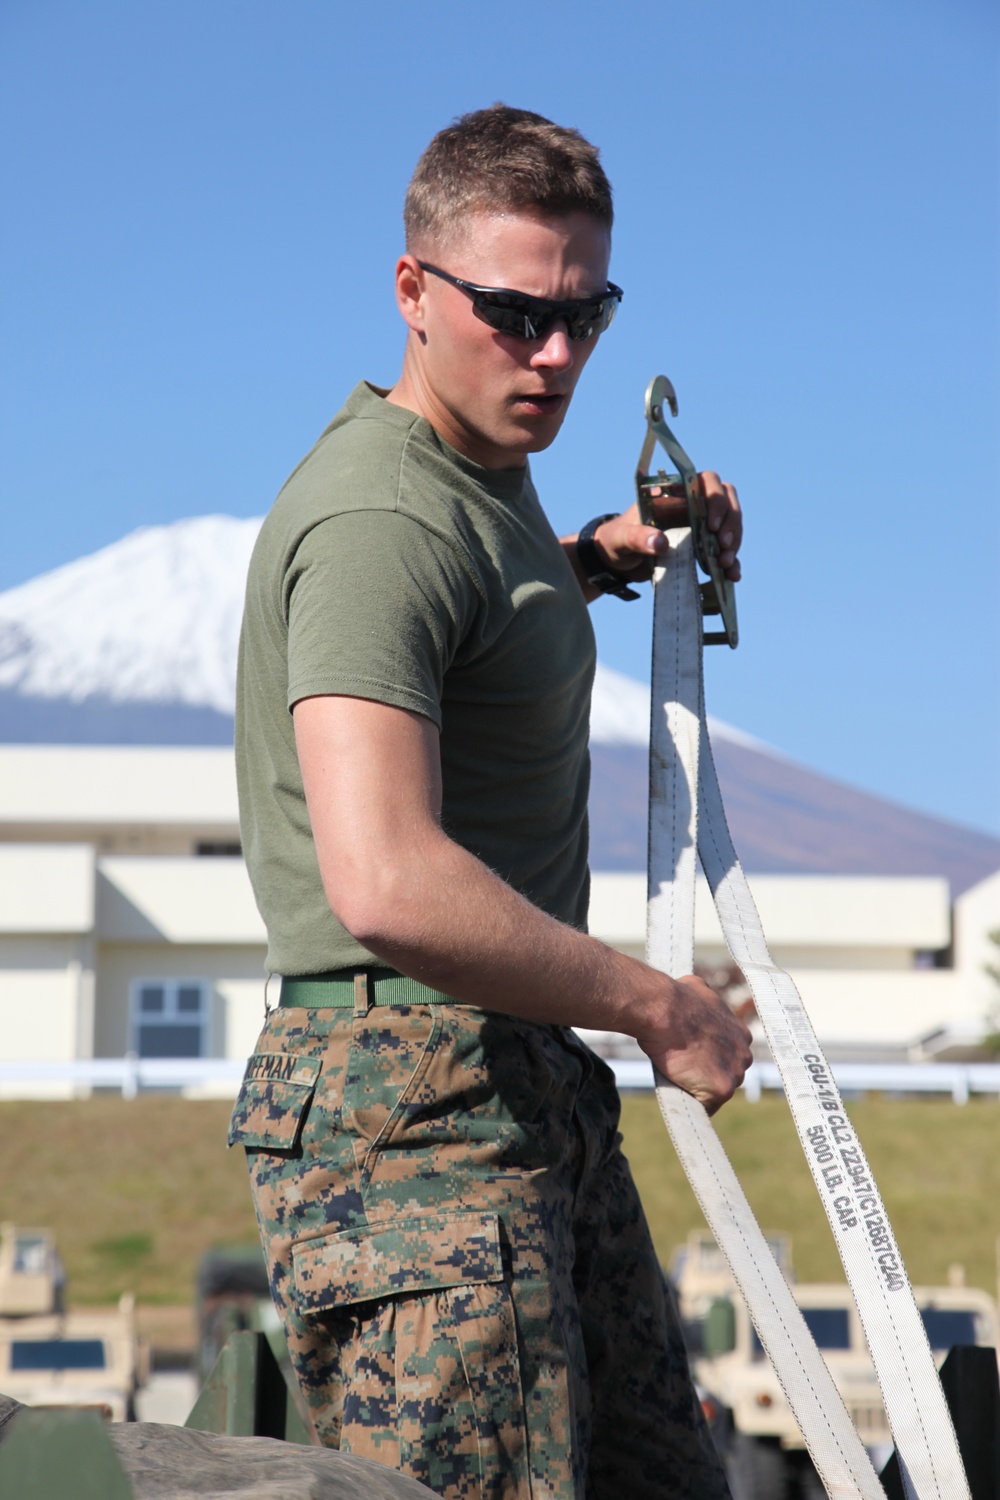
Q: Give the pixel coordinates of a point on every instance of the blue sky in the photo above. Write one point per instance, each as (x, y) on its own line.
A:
(202, 212)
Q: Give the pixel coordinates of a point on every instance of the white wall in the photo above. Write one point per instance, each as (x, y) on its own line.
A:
(117, 785)
(46, 888)
(831, 914)
(124, 799)
(46, 956)
(40, 991)
(244, 1003)
(183, 900)
(879, 1008)
(977, 913)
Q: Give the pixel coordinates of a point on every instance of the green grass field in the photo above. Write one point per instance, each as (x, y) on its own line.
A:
(937, 1165)
(136, 1190)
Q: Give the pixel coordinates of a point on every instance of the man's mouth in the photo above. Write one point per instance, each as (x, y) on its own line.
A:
(541, 404)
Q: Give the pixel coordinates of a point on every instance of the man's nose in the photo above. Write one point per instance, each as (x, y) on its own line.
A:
(555, 350)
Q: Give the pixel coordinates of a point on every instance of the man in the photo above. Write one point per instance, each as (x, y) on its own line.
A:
(455, 1245)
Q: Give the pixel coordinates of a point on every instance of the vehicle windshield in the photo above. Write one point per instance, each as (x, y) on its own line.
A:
(829, 1326)
(57, 1354)
(949, 1325)
(31, 1255)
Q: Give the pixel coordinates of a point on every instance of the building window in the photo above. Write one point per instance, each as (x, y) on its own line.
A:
(169, 1017)
(218, 848)
(936, 958)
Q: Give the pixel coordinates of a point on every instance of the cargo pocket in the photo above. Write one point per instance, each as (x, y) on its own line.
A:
(273, 1101)
(429, 1360)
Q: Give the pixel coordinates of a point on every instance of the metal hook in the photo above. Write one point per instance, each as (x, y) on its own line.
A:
(717, 593)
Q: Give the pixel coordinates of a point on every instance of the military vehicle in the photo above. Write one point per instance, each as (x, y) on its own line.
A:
(53, 1358)
(232, 1295)
(751, 1420)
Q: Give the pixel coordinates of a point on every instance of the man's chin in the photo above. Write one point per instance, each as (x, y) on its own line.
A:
(508, 446)
(535, 434)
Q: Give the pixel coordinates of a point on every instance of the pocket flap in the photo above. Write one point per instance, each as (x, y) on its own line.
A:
(276, 1088)
(425, 1253)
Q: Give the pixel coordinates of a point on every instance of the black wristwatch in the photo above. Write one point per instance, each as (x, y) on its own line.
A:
(596, 571)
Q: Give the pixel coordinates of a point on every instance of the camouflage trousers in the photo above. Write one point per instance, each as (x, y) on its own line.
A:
(460, 1259)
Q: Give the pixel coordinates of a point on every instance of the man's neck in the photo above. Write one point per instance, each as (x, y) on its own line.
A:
(412, 392)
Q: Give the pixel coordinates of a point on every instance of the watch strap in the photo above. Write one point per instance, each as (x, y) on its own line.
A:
(596, 571)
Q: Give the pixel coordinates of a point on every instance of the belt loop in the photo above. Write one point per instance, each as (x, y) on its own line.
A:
(364, 992)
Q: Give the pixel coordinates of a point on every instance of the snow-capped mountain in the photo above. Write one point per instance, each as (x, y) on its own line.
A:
(155, 618)
(619, 715)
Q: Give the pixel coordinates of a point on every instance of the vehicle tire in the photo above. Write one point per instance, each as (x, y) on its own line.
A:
(758, 1469)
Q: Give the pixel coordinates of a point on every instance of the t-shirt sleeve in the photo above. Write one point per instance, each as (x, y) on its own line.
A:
(377, 606)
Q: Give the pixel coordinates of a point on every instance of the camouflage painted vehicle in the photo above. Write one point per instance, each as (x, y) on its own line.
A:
(53, 1358)
(753, 1424)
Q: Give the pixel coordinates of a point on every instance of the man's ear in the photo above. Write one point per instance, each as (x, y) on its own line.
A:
(410, 292)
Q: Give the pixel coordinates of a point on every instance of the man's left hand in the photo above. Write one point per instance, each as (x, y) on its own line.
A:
(634, 550)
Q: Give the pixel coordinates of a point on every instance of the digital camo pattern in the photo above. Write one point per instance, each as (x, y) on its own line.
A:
(460, 1260)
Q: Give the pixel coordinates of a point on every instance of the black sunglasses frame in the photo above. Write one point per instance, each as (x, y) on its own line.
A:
(526, 317)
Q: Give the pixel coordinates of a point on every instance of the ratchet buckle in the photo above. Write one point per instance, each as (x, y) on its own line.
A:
(684, 487)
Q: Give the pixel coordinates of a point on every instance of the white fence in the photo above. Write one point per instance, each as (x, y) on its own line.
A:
(957, 1079)
(221, 1076)
(127, 1074)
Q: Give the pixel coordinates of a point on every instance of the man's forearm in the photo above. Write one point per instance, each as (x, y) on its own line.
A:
(426, 906)
(440, 916)
(437, 913)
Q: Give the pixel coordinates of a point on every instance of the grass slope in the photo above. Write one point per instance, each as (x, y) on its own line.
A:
(936, 1164)
(136, 1190)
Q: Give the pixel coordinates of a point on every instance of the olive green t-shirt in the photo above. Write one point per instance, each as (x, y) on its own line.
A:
(393, 568)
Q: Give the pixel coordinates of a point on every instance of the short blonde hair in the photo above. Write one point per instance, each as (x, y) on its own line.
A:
(503, 160)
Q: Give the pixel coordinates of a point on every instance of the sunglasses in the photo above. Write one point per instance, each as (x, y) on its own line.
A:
(525, 317)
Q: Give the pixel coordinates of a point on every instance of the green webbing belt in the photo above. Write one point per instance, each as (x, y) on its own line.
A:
(338, 990)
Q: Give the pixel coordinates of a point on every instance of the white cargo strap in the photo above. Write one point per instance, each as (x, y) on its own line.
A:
(682, 776)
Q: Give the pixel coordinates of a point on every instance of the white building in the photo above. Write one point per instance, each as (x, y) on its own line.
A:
(127, 922)
(885, 965)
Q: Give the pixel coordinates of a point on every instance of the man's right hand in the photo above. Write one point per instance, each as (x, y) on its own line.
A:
(700, 1044)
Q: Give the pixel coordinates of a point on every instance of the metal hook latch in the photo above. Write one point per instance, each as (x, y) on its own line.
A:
(718, 596)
